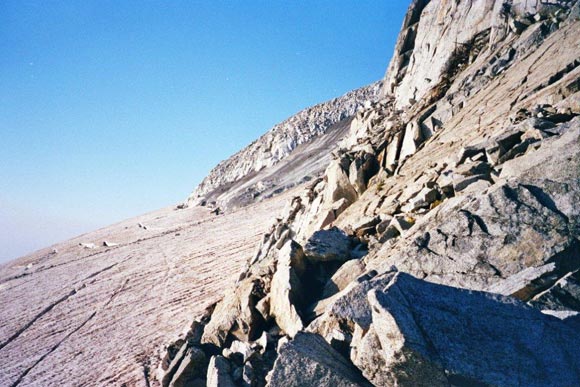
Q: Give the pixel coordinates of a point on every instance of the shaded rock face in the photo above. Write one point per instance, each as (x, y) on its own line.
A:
(308, 360)
(437, 335)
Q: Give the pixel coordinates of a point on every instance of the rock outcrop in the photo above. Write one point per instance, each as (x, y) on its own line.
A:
(441, 246)
(314, 131)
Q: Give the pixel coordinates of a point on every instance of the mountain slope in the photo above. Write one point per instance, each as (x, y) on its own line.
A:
(233, 175)
(73, 315)
(466, 173)
(440, 246)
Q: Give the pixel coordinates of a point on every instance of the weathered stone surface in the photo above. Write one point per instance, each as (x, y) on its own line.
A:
(338, 185)
(286, 290)
(218, 373)
(519, 223)
(349, 307)
(425, 197)
(411, 140)
(343, 276)
(564, 295)
(328, 245)
(308, 360)
(495, 340)
(131, 300)
(362, 168)
(192, 367)
(236, 314)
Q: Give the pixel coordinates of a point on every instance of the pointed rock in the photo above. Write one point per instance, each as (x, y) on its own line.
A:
(308, 360)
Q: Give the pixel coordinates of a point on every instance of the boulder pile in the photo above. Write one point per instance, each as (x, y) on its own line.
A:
(442, 244)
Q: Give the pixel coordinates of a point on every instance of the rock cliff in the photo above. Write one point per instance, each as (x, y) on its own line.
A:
(440, 244)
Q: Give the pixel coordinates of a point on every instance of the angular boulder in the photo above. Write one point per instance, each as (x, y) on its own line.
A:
(236, 314)
(338, 185)
(308, 360)
(219, 373)
(328, 245)
(286, 290)
(444, 335)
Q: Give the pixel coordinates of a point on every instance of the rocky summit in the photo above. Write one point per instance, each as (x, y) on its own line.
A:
(420, 231)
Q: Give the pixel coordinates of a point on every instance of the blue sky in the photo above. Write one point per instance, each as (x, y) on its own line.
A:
(109, 109)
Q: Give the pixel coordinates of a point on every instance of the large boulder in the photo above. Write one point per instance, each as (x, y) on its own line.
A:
(431, 334)
(286, 290)
(338, 184)
(236, 314)
(308, 360)
(328, 245)
(219, 373)
(191, 370)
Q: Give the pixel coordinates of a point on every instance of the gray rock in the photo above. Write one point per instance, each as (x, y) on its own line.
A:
(328, 245)
(349, 307)
(248, 376)
(411, 140)
(564, 295)
(308, 360)
(463, 182)
(343, 276)
(362, 168)
(425, 197)
(390, 232)
(191, 367)
(478, 187)
(338, 185)
(236, 314)
(286, 289)
(218, 373)
(439, 334)
(519, 223)
(402, 223)
(392, 152)
(169, 366)
(524, 284)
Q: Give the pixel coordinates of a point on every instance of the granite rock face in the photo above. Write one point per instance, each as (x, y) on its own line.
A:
(308, 360)
(441, 246)
(228, 183)
(437, 335)
(438, 242)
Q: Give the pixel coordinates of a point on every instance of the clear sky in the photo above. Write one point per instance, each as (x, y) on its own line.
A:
(109, 109)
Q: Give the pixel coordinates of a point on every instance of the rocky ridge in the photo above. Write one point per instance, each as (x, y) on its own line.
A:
(442, 244)
(236, 176)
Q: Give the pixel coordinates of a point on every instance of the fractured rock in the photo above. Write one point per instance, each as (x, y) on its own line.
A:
(308, 360)
(361, 170)
(411, 140)
(286, 290)
(218, 373)
(425, 197)
(495, 340)
(236, 314)
(343, 276)
(564, 295)
(192, 367)
(338, 185)
(328, 245)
